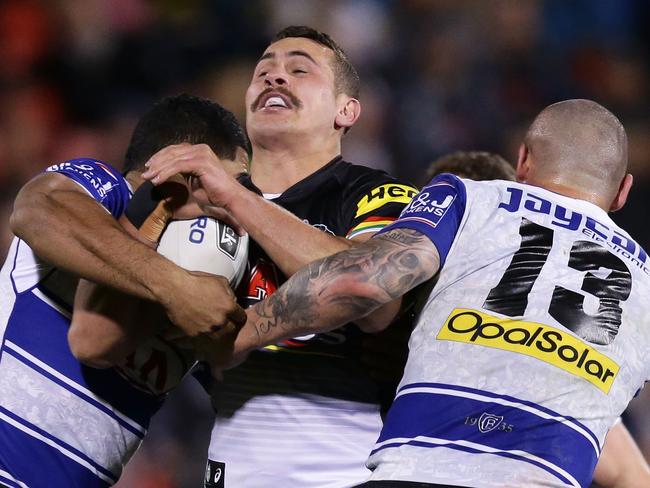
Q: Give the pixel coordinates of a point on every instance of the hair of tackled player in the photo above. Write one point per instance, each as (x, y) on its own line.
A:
(185, 118)
(474, 165)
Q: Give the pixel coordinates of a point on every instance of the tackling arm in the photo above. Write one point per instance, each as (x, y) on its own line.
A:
(621, 463)
(267, 223)
(341, 288)
(72, 231)
(107, 325)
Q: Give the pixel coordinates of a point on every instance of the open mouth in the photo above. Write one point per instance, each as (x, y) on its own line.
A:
(276, 100)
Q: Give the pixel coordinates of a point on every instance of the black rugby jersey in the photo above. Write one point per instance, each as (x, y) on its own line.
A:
(342, 199)
(309, 397)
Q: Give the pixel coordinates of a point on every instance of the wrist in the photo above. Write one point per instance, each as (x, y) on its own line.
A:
(230, 195)
(168, 278)
(241, 203)
(130, 229)
(248, 339)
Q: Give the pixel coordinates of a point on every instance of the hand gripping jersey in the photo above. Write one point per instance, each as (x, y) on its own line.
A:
(304, 413)
(530, 345)
(63, 424)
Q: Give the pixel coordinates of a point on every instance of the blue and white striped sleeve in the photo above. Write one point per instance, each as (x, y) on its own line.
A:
(435, 212)
(102, 182)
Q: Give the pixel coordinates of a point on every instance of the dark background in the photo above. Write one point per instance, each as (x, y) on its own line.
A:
(437, 76)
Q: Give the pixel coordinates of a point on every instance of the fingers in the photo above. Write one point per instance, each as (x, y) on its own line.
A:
(207, 306)
(163, 158)
(238, 317)
(180, 158)
(167, 169)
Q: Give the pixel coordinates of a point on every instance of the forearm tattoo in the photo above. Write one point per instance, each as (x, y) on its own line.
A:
(345, 286)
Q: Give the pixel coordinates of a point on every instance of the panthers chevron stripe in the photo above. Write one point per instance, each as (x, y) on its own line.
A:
(371, 224)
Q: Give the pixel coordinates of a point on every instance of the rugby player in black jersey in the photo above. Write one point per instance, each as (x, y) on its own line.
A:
(302, 413)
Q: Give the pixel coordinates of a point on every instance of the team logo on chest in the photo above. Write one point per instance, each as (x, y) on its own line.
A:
(263, 281)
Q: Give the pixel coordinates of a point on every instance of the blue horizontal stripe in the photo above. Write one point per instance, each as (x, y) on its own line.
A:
(504, 397)
(21, 454)
(4, 481)
(476, 451)
(456, 418)
(77, 393)
(42, 331)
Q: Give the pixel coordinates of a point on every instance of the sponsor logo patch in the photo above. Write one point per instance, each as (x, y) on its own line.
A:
(548, 344)
(431, 204)
(380, 196)
(215, 475)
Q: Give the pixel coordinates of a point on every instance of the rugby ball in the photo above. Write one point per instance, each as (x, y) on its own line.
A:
(206, 244)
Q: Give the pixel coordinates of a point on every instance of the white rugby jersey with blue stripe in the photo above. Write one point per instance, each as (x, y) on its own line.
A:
(62, 423)
(529, 345)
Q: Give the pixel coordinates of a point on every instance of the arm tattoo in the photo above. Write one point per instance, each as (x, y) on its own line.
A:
(345, 286)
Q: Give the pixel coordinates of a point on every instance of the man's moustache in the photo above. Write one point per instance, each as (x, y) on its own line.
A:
(292, 98)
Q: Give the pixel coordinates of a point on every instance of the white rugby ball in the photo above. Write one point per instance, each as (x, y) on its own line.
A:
(206, 244)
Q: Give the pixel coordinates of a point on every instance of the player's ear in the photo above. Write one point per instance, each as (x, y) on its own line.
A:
(623, 192)
(242, 158)
(348, 113)
(523, 163)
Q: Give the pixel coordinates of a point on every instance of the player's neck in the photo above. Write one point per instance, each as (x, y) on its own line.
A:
(557, 185)
(275, 169)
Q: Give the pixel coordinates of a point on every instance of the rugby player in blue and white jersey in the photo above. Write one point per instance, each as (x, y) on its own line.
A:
(62, 423)
(536, 333)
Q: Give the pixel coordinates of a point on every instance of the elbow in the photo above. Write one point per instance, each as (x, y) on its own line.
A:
(20, 219)
(89, 351)
(29, 218)
(381, 318)
(360, 302)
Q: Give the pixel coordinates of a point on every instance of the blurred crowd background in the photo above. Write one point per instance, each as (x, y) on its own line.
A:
(437, 76)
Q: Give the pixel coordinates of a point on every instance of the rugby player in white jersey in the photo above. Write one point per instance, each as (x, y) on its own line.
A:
(621, 463)
(301, 413)
(62, 423)
(536, 333)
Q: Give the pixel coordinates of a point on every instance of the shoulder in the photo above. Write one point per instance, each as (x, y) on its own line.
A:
(100, 180)
(349, 172)
(373, 184)
(85, 166)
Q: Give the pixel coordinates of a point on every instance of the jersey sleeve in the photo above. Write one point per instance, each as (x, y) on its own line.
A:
(436, 212)
(102, 182)
(376, 204)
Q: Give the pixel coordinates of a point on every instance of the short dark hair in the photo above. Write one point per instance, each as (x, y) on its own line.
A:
(346, 78)
(474, 165)
(185, 118)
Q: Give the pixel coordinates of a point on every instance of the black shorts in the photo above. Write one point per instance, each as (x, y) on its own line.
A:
(403, 484)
